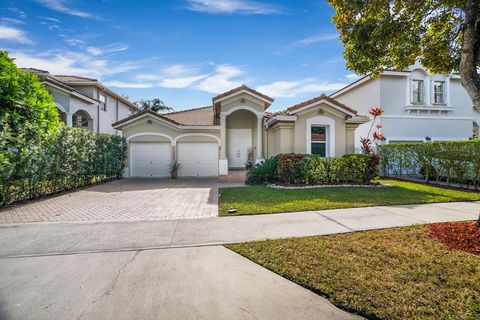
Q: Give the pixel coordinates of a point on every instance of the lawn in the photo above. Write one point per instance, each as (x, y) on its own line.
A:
(260, 199)
(390, 274)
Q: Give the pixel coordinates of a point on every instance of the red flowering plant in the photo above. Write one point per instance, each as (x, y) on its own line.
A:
(377, 136)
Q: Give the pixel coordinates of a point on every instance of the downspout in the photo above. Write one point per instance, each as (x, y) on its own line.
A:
(116, 118)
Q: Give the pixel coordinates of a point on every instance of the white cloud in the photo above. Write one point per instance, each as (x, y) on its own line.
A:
(232, 6)
(130, 85)
(14, 35)
(62, 7)
(223, 79)
(111, 48)
(315, 39)
(12, 21)
(182, 82)
(289, 89)
(68, 62)
(352, 76)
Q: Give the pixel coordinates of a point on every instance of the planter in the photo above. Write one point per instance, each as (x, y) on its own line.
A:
(173, 174)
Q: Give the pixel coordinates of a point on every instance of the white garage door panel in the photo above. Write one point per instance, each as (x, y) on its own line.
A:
(150, 159)
(198, 159)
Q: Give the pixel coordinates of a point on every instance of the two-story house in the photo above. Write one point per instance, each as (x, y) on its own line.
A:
(85, 102)
(419, 106)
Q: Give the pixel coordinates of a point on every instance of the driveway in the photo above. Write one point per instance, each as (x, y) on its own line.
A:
(124, 200)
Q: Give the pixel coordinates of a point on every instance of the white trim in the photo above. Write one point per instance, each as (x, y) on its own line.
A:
(350, 86)
(248, 108)
(327, 122)
(172, 141)
(426, 117)
(280, 118)
(328, 103)
(196, 134)
(240, 92)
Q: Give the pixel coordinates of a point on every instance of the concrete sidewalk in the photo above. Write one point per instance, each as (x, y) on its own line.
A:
(67, 238)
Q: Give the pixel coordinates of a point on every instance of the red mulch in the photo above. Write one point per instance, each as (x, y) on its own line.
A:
(463, 236)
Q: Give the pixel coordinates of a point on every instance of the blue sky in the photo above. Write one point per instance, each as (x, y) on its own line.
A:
(182, 51)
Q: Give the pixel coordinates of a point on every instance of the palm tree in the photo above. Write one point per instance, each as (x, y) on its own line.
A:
(155, 104)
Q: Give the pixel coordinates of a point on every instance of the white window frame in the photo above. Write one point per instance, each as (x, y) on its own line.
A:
(422, 92)
(321, 121)
(103, 101)
(444, 86)
(325, 142)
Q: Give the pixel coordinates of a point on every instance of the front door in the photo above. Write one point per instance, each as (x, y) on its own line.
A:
(239, 141)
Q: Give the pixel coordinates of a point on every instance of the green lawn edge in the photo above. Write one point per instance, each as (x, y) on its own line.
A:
(251, 200)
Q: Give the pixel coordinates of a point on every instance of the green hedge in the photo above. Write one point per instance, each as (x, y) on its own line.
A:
(449, 161)
(68, 158)
(306, 169)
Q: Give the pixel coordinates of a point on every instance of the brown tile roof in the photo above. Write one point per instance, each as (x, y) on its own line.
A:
(242, 87)
(322, 97)
(74, 79)
(141, 113)
(193, 117)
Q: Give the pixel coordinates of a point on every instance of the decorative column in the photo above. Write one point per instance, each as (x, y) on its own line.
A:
(259, 138)
(69, 119)
(223, 161)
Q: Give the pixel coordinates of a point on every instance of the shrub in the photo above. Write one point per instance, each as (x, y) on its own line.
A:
(450, 161)
(65, 159)
(263, 172)
(301, 169)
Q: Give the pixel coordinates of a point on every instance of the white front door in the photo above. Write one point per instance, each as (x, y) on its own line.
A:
(150, 159)
(198, 159)
(238, 143)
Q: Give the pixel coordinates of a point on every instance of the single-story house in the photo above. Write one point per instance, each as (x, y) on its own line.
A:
(211, 140)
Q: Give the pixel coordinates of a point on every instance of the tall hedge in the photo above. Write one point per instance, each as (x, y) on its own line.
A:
(65, 159)
(449, 161)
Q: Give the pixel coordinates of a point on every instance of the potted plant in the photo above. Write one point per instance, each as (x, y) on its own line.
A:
(250, 159)
(174, 166)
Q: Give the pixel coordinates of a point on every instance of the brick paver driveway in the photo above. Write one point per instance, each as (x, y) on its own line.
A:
(124, 200)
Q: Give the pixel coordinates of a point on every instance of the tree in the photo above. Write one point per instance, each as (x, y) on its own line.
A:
(26, 108)
(444, 35)
(156, 105)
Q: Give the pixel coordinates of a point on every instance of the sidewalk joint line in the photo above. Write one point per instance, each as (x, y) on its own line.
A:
(339, 223)
(174, 231)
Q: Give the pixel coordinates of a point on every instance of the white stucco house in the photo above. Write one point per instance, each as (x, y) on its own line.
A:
(419, 106)
(210, 141)
(85, 102)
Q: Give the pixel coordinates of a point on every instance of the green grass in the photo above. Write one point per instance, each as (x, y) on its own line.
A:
(391, 274)
(261, 200)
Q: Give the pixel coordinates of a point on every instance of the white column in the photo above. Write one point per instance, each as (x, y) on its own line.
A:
(223, 162)
(69, 119)
(259, 138)
(427, 94)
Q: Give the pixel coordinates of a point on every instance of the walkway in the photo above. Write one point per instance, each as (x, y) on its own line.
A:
(62, 238)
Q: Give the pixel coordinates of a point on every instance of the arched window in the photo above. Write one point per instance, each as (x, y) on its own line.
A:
(81, 119)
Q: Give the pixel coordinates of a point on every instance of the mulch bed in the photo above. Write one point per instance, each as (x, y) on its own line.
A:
(463, 236)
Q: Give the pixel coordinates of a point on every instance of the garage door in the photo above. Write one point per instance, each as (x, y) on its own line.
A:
(198, 159)
(150, 159)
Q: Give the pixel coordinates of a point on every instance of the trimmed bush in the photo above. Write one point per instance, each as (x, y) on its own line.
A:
(449, 161)
(263, 172)
(301, 169)
(65, 159)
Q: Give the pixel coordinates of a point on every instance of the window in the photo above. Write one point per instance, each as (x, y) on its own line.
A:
(103, 102)
(80, 121)
(319, 140)
(439, 92)
(417, 91)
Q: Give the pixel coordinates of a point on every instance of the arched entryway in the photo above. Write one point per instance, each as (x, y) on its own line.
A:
(81, 119)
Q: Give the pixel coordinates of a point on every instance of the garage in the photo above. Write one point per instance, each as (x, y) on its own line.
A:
(198, 159)
(150, 159)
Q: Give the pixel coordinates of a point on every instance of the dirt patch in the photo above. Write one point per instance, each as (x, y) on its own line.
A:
(463, 236)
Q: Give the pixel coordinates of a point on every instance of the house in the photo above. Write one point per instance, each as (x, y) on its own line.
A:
(85, 102)
(212, 140)
(419, 106)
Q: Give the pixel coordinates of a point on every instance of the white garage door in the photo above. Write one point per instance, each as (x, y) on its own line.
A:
(198, 159)
(150, 159)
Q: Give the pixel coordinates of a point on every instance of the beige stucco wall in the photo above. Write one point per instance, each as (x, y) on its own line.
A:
(300, 141)
(236, 102)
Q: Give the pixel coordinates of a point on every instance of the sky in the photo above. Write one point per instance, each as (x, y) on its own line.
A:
(182, 51)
